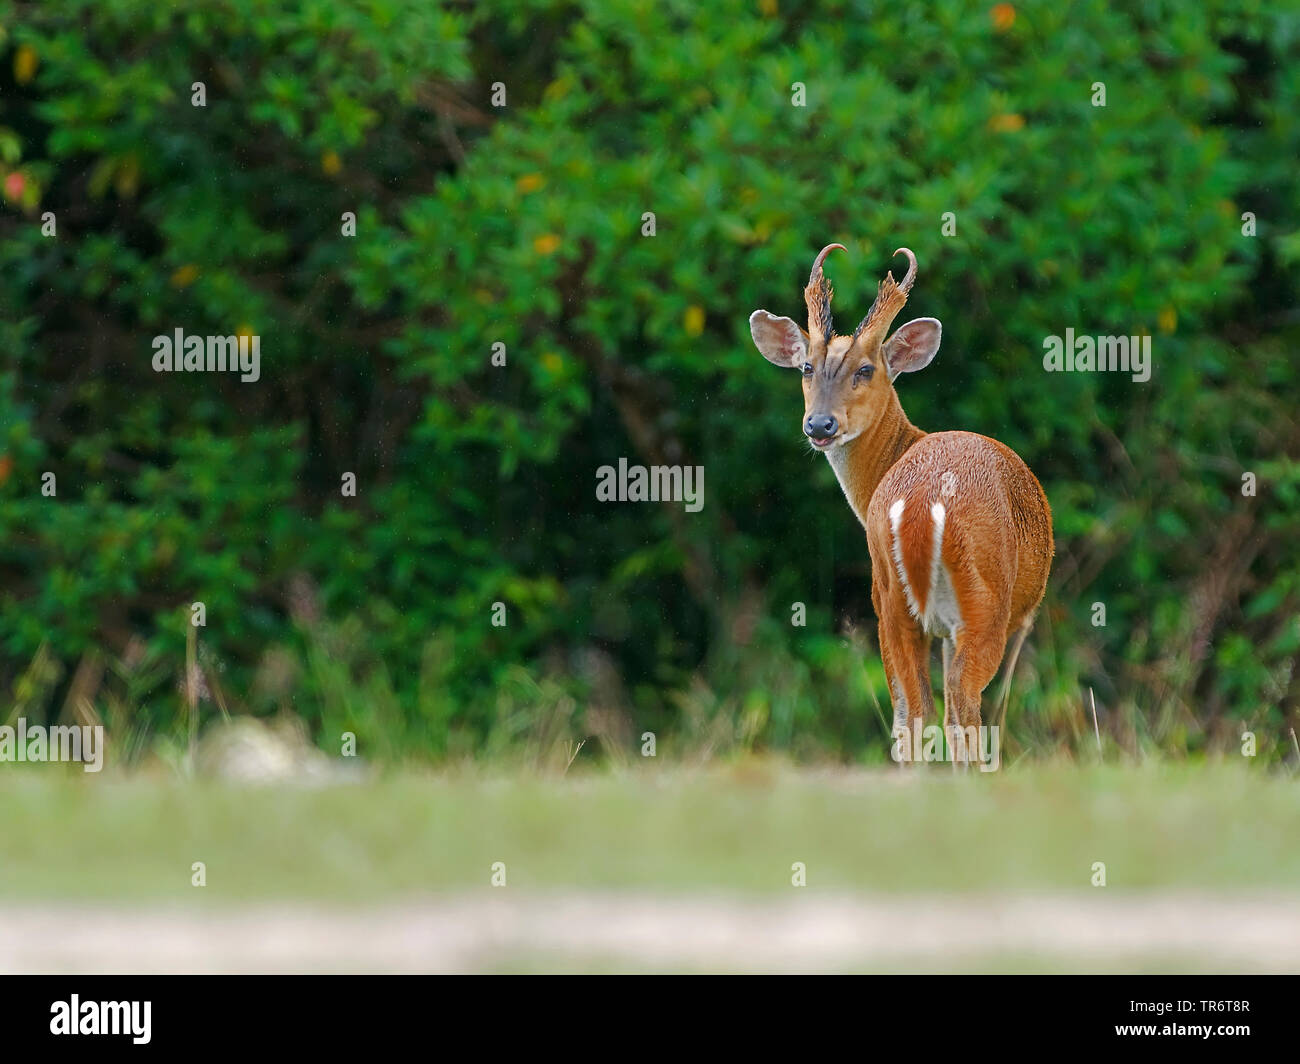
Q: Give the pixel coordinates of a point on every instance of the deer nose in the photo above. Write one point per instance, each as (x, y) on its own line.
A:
(820, 426)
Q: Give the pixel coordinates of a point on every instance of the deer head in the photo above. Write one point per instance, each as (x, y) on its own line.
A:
(848, 381)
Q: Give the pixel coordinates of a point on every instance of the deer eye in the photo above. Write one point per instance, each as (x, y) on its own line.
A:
(807, 369)
(864, 373)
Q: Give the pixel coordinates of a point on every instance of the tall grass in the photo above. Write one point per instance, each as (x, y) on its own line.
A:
(816, 698)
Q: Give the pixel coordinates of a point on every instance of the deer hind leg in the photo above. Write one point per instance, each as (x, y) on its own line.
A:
(951, 727)
(970, 666)
(904, 649)
(906, 652)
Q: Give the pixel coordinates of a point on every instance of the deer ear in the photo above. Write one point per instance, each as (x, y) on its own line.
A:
(780, 340)
(913, 346)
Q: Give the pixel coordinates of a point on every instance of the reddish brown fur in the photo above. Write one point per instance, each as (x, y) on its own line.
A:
(997, 541)
(997, 549)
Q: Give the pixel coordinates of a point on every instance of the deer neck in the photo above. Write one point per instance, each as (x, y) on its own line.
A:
(861, 464)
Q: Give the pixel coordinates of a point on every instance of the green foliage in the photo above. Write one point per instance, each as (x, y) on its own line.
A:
(522, 225)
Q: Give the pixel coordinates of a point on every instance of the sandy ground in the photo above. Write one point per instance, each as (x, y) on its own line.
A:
(504, 930)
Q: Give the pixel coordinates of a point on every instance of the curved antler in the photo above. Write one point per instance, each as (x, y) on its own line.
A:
(816, 273)
(890, 297)
(818, 295)
(910, 276)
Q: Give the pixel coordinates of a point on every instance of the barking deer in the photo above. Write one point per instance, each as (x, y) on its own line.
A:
(958, 528)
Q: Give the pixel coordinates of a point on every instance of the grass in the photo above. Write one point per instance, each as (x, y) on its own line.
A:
(738, 827)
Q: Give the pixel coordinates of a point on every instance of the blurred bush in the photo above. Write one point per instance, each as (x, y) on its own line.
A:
(523, 225)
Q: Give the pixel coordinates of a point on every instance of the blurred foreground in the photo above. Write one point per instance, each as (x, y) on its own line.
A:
(658, 869)
(625, 932)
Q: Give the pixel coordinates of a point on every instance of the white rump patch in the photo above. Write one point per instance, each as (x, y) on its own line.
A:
(942, 615)
(938, 515)
(896, 548)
